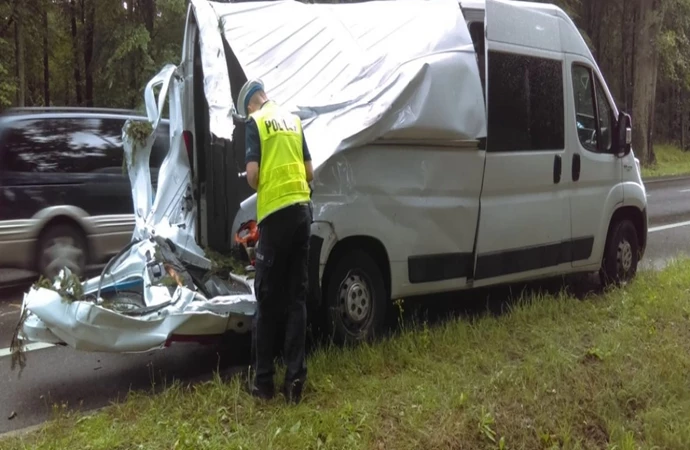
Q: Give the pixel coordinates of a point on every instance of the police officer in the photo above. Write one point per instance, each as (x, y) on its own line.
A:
(279, 168)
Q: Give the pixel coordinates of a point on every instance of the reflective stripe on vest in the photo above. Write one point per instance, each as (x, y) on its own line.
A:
(282, 176)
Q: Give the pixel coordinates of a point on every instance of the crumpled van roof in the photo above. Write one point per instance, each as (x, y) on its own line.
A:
(353, 79)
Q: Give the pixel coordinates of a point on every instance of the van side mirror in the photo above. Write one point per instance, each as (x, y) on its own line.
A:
(624, 134)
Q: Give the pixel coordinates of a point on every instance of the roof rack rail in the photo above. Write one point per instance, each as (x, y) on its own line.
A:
(72, 109)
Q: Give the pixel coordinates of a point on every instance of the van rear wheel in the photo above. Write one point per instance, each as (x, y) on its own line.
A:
(621, 255)
(355, 299)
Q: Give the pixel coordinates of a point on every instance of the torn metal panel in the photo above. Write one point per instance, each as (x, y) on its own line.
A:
(353, 78)
(158, 287)
(132, 314)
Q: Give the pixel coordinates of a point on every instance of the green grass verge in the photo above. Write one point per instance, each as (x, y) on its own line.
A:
(608, 371)
(670, 161)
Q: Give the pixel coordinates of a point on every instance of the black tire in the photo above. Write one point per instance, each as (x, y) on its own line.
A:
(356, 276)
(60, 246)
(621, 255)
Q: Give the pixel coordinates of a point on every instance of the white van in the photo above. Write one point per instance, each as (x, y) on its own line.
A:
(546, 185)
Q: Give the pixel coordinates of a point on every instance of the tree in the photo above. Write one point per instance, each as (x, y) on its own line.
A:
(46, 59)
(75, 50)
(88, 20)
(648, 20)
(19, 42)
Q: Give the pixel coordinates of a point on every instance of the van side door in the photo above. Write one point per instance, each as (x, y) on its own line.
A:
(597, 172)
(524, 226)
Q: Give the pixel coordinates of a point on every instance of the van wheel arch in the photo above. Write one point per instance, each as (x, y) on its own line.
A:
(625, 223)
(368, 250)
(637, 217)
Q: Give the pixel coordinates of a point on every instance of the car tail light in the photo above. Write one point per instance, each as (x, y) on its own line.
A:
(189, 144)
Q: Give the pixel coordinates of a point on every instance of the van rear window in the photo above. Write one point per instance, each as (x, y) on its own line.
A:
(525, 103)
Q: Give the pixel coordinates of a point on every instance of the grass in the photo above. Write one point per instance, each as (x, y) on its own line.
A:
(671, 161)
(608, 371)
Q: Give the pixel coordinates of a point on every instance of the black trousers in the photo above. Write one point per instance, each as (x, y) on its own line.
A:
(281, 287)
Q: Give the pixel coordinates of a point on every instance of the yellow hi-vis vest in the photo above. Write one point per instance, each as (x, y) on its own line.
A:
(282, 176)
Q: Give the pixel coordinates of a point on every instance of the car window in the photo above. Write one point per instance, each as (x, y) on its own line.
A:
(591, 120)
(73, 145)
(112, 131)
(526, 107)
(605, 119)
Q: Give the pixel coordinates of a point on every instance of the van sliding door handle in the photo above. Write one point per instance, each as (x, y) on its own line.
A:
(557, 167)
(576, 167)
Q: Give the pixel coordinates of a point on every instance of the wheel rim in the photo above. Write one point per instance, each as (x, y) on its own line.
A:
(624, 257)
(61, 252)
(355, 301)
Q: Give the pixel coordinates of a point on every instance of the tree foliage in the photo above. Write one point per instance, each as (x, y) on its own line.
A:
(94, 52)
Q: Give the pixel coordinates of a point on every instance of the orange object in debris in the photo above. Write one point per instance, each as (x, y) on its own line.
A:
(248, 236)
(173, 273)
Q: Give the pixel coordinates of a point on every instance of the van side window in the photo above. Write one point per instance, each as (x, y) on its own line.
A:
(57, 145)
(593, 114)
(526, 111)
(605, 114)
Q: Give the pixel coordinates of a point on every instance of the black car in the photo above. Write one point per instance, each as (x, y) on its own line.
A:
(65, 199)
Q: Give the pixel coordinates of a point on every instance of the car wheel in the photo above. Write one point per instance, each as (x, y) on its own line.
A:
(61, 246)
(621, 255)
(356, 299)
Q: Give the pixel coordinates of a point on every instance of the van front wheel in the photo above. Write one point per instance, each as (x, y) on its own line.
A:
(355, 299)
(621, 255)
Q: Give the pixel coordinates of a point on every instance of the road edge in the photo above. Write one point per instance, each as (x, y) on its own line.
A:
(651, 180)
(21, 432)
(34, 428)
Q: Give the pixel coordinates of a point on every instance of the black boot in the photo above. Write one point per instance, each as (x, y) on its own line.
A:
(293, 391)
(262, 391)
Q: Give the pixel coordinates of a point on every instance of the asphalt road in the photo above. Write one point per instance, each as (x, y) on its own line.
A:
(89, 380)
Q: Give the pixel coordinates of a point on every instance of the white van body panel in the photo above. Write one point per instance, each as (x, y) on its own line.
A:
(415, 200)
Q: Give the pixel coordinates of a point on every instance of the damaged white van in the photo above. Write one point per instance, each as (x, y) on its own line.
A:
(486, 149)
(454, 146)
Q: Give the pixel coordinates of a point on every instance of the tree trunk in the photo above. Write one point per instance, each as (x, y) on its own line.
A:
(75, 49)
(46, 60)
(622, 94)
(133, 60)
(649, 15)
(20, 55)
(628, 25)
(149, 13)
(651, 156)
(88, 50)
(681, 116)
